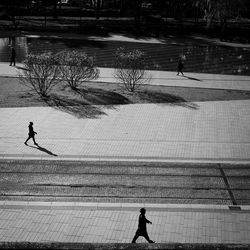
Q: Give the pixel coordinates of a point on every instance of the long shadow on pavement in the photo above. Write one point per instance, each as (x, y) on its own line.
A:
(102, 97)
(21, 68)
(192, 78)
(168, 95)
(42, 149)
(92, 101)
(164, 98)
(80, 109)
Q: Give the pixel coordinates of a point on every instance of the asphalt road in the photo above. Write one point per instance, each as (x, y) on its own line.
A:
(125, 182)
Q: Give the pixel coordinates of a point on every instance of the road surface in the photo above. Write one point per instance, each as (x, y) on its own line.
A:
(134, 182)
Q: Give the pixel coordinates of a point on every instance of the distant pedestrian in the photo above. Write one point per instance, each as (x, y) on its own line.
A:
(180, 65)
(31, 134)
(13, 56)
(142, 227)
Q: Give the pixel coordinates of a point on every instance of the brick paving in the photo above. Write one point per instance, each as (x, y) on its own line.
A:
(213, 131)
(117, 223)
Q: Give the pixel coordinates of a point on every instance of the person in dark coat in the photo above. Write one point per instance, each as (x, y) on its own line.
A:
(142, 227)
(180, 66)
(13, 56)
(31, 134)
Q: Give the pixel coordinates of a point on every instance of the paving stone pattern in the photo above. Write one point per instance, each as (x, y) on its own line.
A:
(133, 131)
(112, 225)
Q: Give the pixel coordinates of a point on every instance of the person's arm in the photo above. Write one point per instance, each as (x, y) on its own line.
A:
(34, 131)
(148, 221)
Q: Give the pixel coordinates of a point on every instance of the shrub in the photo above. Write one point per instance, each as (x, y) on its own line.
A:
(76, 67)
(130, 68)
(41, 73)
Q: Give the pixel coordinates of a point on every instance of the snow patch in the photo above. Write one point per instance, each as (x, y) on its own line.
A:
(217, 41)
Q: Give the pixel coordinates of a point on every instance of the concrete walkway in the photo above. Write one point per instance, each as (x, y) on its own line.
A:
(163, 78)
(212, 131)
(117, 223)
(200, 131)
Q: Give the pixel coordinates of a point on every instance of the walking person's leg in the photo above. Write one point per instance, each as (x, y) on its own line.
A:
(27, 140)
(33, 137)
(145, 235)
(135, 237)
(12, 60)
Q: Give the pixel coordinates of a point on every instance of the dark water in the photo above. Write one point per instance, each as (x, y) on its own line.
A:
(200, 56)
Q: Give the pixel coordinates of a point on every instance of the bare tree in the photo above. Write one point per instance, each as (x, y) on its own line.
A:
(41, 73)
(76, 67)
(130, 68)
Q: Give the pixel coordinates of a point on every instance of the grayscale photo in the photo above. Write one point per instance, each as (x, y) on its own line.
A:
(125, 124)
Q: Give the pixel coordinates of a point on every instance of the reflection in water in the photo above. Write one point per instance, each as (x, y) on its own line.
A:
(200, 56)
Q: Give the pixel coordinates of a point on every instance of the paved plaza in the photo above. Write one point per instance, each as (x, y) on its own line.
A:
(210, 131)
(117, 223)
(216, 131)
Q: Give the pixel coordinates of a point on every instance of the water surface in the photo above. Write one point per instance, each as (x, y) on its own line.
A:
(201, 56)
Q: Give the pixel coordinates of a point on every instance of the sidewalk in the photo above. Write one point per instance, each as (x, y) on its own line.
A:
(212, 131)
(116, 223)
(163, 78)
(215, 131)
(198, 131)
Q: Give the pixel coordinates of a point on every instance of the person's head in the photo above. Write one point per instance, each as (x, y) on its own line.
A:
(31, 123)
(142, 210)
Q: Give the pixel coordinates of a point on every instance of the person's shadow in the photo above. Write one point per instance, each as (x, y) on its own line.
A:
(22, 68)
(43, 149)
(192, 78)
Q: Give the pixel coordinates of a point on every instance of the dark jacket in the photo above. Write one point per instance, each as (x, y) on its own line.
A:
(180, 65)
(31, 131)
(142, 225)
(13, 53)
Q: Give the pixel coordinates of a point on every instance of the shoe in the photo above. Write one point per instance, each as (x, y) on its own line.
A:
(151, 241)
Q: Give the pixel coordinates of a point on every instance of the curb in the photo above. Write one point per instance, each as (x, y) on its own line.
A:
(124, 159)
(122, 206)
(117, 246)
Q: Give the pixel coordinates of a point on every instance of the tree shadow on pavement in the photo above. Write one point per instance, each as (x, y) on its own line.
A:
(164, 98)
(102, 97)
(42, 149)
(80, 109)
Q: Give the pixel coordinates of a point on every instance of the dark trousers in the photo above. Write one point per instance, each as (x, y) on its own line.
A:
(141, 233)
(13, 60)
(179, 71)
(29, 137)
